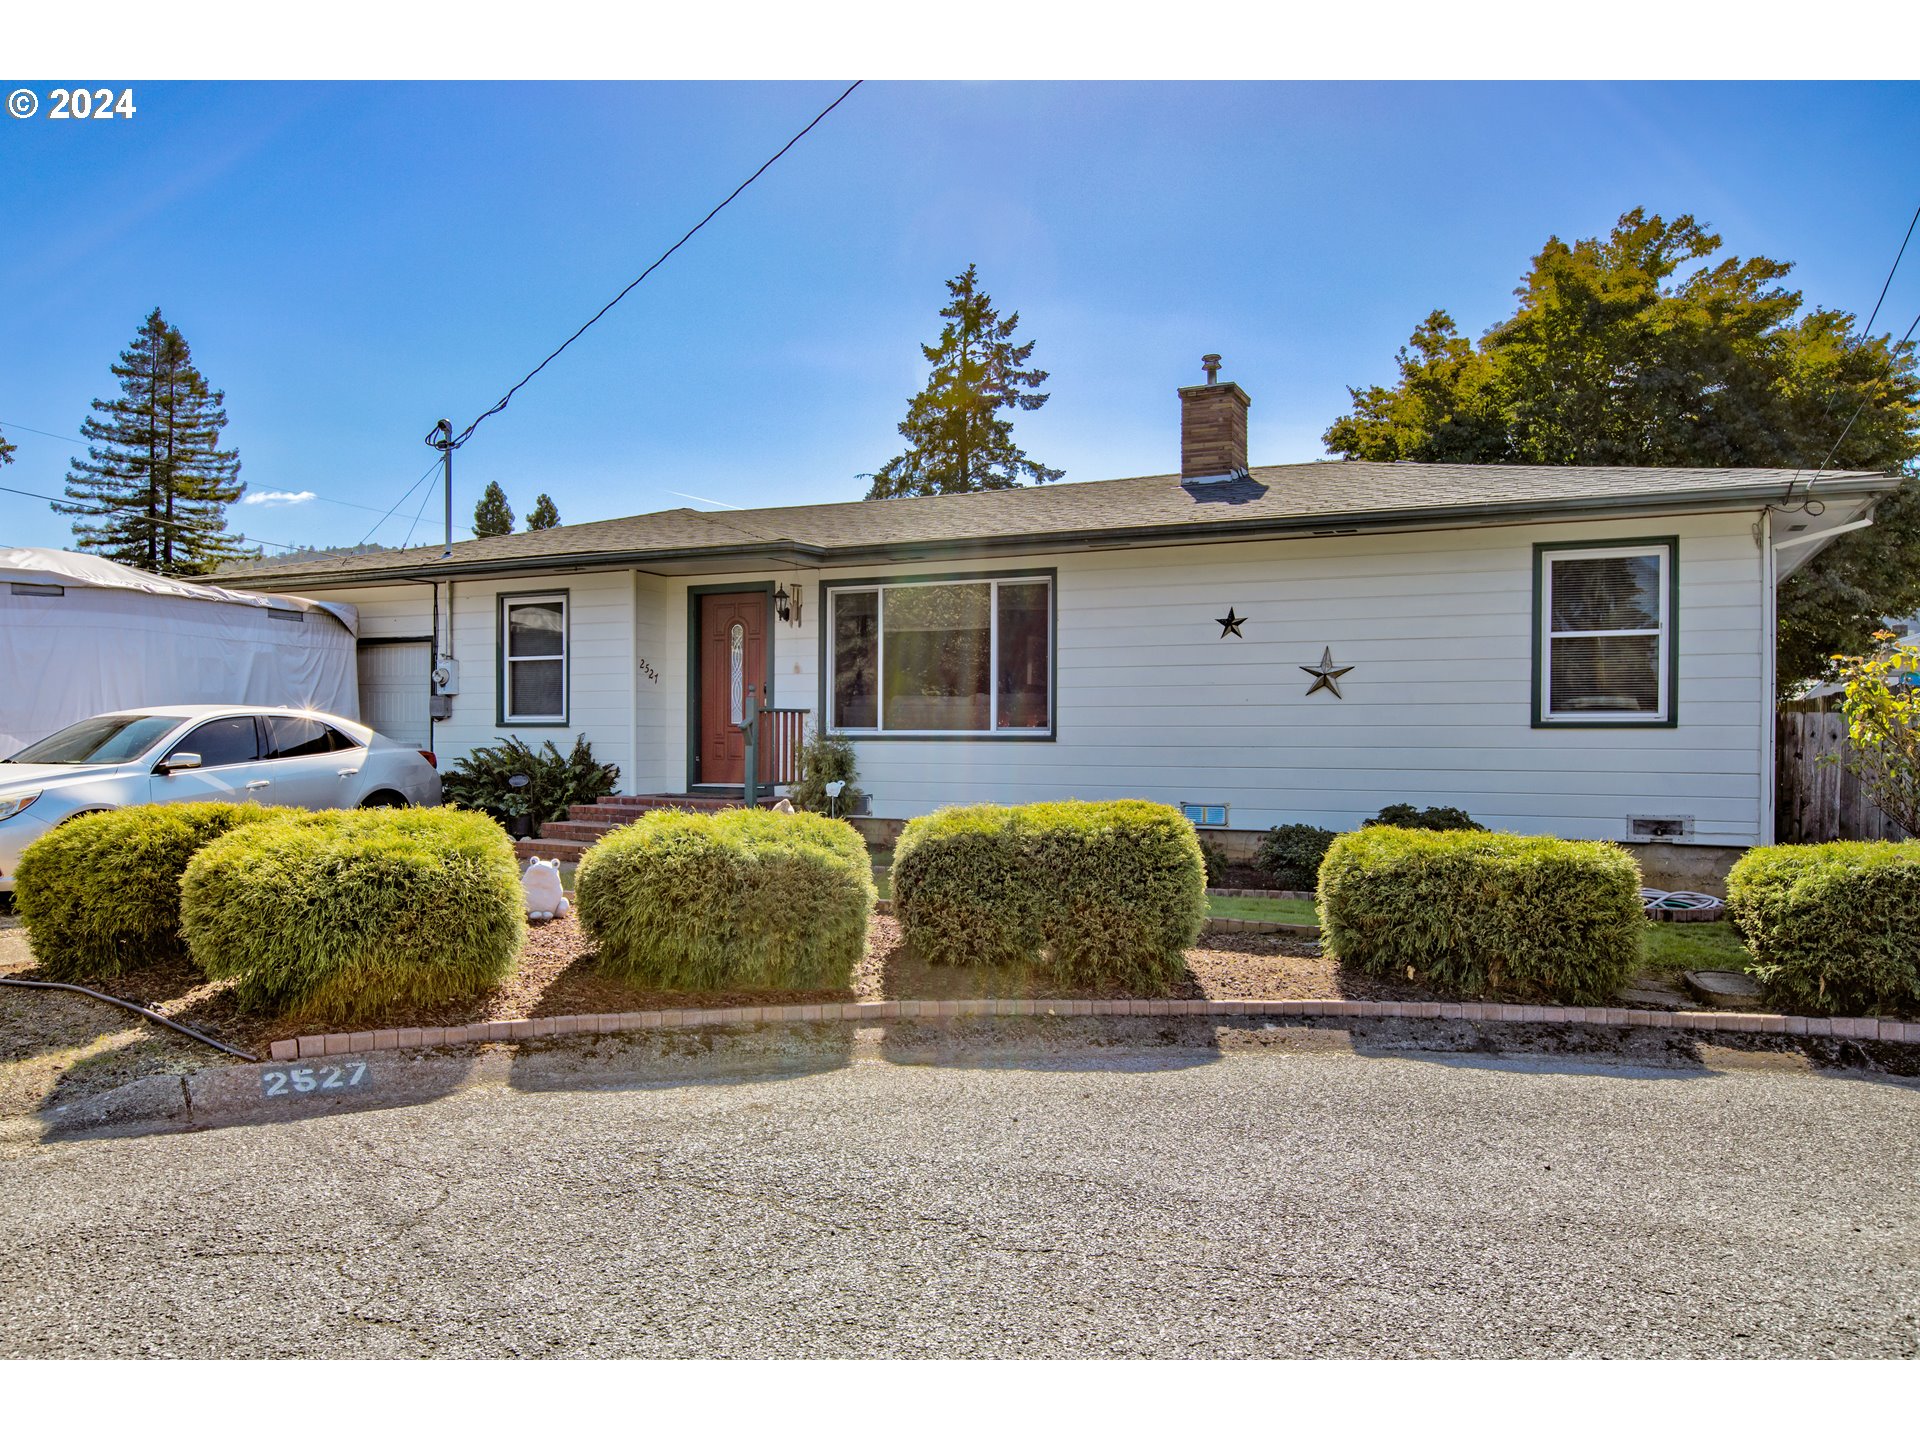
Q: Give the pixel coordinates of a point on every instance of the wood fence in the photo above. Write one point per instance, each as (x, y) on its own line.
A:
(1819, 798)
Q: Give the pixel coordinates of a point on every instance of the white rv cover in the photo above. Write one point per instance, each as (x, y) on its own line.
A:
(81, 636)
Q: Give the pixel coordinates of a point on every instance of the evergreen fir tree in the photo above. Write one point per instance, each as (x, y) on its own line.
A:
(956, 438)
(544, 515)
(6, 450)
(155, 485)
(492, 516)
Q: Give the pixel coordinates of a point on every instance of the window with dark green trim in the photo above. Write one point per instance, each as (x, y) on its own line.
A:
(533, 659)
(957, 657)
(1604, 628)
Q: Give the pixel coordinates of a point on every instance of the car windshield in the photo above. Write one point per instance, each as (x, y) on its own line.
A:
(103, 740)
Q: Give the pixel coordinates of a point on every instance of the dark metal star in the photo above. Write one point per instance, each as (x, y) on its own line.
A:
(1231, 624)
(1326, 675)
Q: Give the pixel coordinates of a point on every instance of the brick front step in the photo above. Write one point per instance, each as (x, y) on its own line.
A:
(568, 852)
(587, 830)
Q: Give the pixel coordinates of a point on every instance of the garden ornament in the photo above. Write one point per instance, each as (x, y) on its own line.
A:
(546, 900)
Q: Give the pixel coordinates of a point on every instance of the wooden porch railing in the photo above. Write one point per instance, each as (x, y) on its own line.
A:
(774, 738)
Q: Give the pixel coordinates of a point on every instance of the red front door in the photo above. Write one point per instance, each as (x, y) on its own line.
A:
(733, 656)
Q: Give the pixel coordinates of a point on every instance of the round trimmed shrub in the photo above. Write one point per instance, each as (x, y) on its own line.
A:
(342, 914)
(1092, 891)
(738, 900)
(1292, 854)
(1833, 928)
(100, 894)
(961, 891)
(1480, 912)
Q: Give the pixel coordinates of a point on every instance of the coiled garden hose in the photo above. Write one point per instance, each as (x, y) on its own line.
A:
(140, 1010)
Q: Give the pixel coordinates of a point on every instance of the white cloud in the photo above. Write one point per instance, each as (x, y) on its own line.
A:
(277, 498)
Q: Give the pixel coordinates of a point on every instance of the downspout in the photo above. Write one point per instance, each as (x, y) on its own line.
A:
(633, 672)
(432, 661)
(1769, 653)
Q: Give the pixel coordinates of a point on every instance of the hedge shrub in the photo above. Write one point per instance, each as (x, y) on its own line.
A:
(1479, 913)
(1434, 817)
(1833, 928)
(341, 914)
(1093, 891)
(101, 893)
(1292, 854)
(742, 899)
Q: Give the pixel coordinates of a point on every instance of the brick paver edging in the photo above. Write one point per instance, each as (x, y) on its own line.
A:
(362, 1041)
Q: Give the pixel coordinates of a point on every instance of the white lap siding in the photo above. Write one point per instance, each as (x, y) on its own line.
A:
(601, 645)
(1437, 710)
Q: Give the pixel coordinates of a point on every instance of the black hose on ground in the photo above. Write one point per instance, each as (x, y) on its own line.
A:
(140, 1010)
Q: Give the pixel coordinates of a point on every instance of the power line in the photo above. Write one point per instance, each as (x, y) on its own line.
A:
(1859, 410)
(1865, 332)
(77, 440)
(501, 404)
(1867, 329)
(425, 496)
(147, 519)
(433, 466)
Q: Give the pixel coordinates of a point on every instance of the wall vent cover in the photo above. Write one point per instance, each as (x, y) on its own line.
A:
(1658, 827)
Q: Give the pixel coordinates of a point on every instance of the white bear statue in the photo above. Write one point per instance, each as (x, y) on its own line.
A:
(545, 898)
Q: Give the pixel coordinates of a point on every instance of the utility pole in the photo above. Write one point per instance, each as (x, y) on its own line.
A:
(441, 439)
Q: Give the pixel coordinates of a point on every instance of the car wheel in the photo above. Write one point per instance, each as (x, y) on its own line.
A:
(384, 800)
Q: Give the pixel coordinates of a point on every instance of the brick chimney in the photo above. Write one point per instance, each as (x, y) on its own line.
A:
(1213, 427)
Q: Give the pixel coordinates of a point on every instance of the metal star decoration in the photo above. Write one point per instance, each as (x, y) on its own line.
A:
(1326, 675)
(1230, 623)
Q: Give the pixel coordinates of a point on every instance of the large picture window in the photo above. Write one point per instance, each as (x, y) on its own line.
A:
(960, 657)
(1604, 627)
(533, 659)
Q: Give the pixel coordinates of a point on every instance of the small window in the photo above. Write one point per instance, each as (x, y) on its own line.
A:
(291, 736)
(533, 659)
(1604, 650)
(1213, 817)
(230, 741)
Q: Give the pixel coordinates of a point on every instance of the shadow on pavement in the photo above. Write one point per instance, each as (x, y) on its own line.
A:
(1053, 1042)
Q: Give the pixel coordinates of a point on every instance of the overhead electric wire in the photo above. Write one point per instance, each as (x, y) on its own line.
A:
(150, 519)
(424, 498)
(431, 467)
(77, 440)
(1859, 410)
(1866, 331)
(501, 404)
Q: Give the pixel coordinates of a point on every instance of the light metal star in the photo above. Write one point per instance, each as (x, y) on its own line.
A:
(1230, 624)
(1326, 675)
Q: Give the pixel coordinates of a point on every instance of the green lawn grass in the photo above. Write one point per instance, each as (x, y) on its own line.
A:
(1288, 912)
(1667, 948)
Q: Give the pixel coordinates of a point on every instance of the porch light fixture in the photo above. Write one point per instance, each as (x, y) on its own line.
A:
(787, 606)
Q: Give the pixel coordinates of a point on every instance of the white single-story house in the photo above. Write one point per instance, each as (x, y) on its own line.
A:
(1586, 652)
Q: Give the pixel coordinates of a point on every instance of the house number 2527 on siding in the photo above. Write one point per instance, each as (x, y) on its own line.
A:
(307, 1078)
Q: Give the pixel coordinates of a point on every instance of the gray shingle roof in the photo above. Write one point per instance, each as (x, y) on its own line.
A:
(1319, 494)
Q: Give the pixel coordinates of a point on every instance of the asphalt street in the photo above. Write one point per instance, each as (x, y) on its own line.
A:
(1145, 1203)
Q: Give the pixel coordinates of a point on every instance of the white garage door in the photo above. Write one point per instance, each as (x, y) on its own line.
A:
(395, 682)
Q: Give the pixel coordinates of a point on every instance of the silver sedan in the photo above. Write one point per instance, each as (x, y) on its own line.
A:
(164, 754)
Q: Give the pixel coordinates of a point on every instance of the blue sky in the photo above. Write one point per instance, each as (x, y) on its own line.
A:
(352, 261)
